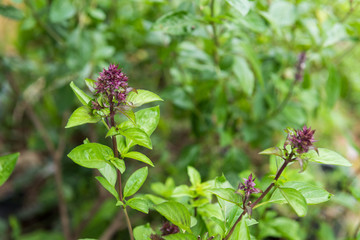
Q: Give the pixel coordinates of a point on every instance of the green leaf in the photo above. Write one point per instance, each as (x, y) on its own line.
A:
(242, 6)
(282, 13)
(155, 199)
(295, 200)
(174, 23)
(139, 204)
(91, 155)
(90, 83)
(109, 172)
(11, 12)
(135, 181)
(327, 156)
(311, 193)
(194, 176)
(334, 35)
(110, 188)
(137, 136)
(254, 61)
(138, 156)
(81, 116)
(176, 213)
(244, 75)
(112, 132)
(97, 14)
(273, 151)
(227, 194)
(143, 232)
(146, 119)
(83, 97)
(61, 10)
(7, 165)
(119, 164)
(142, 97)
(133, 136)
(180, 236)
(241, 231)
(129, 113)
(121, 144)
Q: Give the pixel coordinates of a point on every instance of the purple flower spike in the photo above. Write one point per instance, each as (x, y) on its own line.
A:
(249, 186)
(113, 84)
(302, 140)
(169, 228)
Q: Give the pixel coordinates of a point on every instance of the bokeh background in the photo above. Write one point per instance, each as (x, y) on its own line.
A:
(226, 70)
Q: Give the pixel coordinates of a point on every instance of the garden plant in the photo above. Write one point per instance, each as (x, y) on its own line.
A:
(191, 211)
(228, 76)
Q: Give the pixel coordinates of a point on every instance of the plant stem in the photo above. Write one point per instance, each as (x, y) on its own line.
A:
(129, 224)
(215, 37)
(116, 154)
(280, 171)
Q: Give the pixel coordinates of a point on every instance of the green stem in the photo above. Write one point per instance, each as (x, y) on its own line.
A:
(128, 224)
(215, 36)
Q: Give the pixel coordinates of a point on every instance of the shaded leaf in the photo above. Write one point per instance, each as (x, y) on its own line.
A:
(143, 232)
(176, 213)
(295, 200)
(108, 186)
(272, 151)
(174, 23)
(11, 12)
(119, 164)
(180, 236)
(242, 6)
(227, 194)
(194, 176)
(61, 10)
(109, 173)
(83, 97)
(241, 231)
(7, 165)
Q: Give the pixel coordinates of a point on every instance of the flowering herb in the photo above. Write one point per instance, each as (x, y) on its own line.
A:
(166, 229)
(249, 186)
(302, 140)
(112, 95)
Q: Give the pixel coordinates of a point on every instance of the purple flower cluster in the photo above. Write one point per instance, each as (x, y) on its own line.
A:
(249, 186)
(302, 140)
(169, 228)
(113, 84)
(166, 229)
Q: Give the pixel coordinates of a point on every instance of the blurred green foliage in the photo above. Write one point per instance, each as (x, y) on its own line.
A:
(226, 70)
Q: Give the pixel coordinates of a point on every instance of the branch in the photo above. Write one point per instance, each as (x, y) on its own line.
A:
(56, 154)
(215, 37)
(112, 229)
(287, 161)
